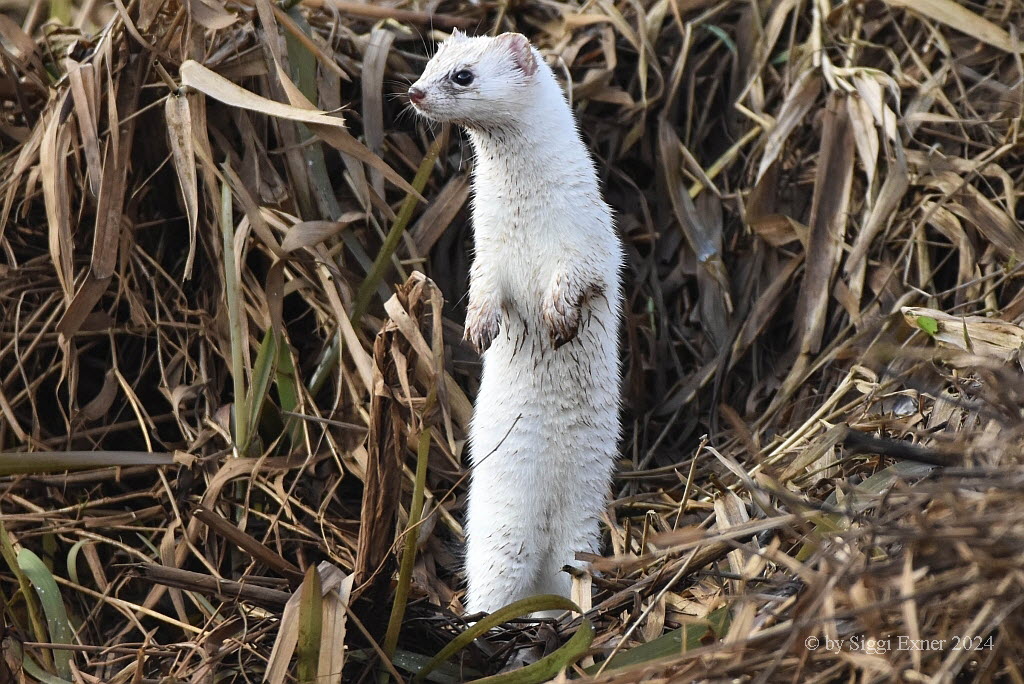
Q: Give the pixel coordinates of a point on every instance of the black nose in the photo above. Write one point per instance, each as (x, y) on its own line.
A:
(416, 95)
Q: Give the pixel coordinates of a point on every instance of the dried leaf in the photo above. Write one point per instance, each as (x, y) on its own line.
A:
(374, 63)
(195, 75)
(799, 101)
(832, 184)
(962, 19)
(100, 404)
(309, 233)
(328, 580)
(975, 334)
(179, 132)
(81, 78)
(53, 169)
(440, 213)
(210, 14)
(341, 139)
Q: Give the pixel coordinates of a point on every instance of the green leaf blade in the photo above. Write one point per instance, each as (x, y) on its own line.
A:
(57, 622)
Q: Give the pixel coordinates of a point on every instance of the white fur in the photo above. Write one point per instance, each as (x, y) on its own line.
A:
(545, 428)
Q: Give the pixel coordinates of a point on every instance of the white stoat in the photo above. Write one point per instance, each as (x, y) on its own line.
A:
(544, 302)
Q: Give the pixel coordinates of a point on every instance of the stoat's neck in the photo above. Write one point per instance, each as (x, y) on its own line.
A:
(542, 146)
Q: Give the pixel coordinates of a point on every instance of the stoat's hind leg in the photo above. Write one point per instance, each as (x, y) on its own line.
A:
(581, 532)
(502, 558)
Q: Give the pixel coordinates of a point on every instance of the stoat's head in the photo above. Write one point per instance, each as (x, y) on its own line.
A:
(478, 82)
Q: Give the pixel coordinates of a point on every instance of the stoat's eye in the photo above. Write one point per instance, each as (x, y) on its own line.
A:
(462, 77)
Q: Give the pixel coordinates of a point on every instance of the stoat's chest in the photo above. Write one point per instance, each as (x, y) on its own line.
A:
(522, 247)
(525, 234)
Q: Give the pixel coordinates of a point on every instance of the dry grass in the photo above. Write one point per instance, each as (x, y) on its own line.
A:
(820, 205)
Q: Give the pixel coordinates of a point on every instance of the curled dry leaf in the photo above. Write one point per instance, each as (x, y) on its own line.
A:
(309, 233)
(209, 14)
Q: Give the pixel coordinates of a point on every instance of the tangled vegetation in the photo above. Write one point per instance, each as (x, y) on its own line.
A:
(234, 395)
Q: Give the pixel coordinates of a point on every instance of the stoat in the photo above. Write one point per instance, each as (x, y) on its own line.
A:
(544, 307)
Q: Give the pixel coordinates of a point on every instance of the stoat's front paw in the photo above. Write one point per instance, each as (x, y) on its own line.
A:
(482, 326)
(561, 313)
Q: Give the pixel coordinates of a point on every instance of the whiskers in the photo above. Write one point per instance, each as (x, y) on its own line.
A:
(429, 46)
(399, 94)
(406, 115)
(398, 88)
(433, 127)
(462, 154)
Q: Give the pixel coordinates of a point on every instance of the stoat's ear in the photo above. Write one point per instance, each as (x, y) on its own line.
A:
(457, 35)
(522, 53)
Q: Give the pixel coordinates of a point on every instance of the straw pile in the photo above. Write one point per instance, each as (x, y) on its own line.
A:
(221, 367)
